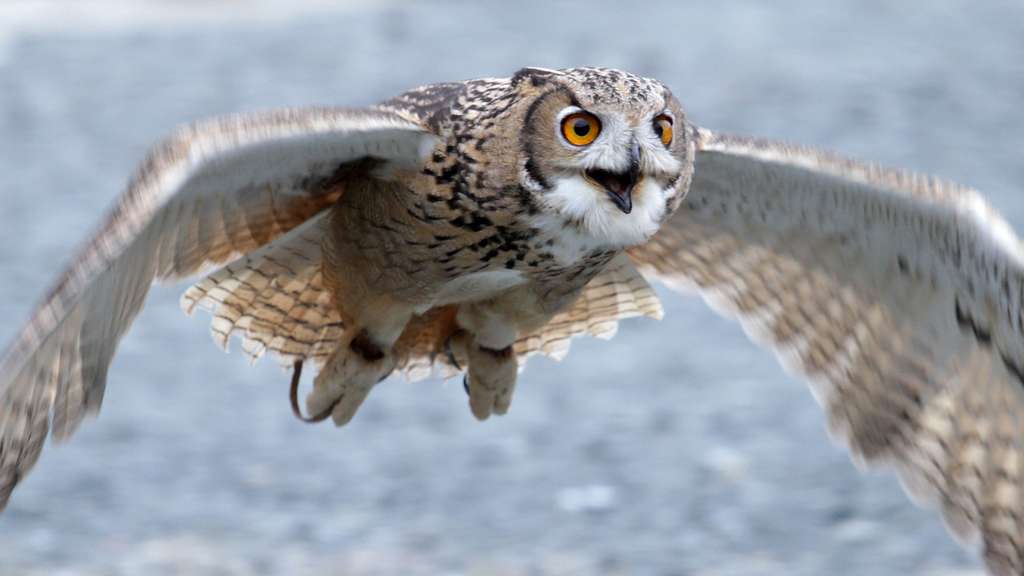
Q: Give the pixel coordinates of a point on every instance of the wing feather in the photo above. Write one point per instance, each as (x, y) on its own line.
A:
(897, 295)
(616, 293)
(273, 298)
(208, 194)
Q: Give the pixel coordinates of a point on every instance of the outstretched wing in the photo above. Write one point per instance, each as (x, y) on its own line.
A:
(899, 296)
(206, 195)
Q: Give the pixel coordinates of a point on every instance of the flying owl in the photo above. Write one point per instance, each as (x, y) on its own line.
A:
(462, 227)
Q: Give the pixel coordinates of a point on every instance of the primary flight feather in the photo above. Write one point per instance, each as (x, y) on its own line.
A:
(465, 226)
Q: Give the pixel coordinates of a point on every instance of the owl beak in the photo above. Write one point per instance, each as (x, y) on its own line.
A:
(619, 185)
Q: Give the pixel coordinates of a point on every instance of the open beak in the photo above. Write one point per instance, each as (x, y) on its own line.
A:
(619, 185)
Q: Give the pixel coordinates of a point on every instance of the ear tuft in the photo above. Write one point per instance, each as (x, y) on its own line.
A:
(536, 76)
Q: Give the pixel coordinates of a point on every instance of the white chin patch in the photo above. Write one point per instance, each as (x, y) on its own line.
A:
(577, 200)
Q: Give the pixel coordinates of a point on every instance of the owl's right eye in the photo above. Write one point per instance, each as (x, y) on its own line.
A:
(580, 128)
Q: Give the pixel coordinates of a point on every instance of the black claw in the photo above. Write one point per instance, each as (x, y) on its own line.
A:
(451, 353)
(465, 383)
(293, 397)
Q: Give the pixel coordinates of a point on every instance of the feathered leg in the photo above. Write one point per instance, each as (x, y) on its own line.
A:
(362, 358)
(488, 332)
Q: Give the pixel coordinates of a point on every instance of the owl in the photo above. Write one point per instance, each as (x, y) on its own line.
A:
(462, 227)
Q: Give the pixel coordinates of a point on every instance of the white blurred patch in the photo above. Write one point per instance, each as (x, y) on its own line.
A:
(727, 462)
(590, 498)
(855, 530)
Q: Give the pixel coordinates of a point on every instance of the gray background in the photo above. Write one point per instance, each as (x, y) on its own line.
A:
(677, 448)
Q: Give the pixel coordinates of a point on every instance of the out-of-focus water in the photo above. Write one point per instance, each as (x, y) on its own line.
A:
(677, 448)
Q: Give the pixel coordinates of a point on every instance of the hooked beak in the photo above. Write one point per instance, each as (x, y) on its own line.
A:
(619, 186)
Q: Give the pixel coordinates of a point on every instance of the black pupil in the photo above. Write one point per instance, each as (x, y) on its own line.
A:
(581, 127)
(659, 129)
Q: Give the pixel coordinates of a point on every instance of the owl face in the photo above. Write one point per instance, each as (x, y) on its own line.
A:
(604, 152)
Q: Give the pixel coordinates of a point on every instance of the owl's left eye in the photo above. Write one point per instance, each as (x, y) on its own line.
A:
(663, 128)
(580, 128)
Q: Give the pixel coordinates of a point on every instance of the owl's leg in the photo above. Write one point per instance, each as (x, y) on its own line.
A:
(486, 344)
(363, 358)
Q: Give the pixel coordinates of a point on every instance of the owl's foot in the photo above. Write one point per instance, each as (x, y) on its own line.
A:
(456, 349)
(490, 380)
(346, 379)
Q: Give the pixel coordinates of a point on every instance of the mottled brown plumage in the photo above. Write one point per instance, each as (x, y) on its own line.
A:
(463, 227)
(471, 227)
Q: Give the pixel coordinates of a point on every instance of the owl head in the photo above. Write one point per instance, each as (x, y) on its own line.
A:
(602, 151)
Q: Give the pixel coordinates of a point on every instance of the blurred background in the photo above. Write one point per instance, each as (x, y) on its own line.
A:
(678, 448)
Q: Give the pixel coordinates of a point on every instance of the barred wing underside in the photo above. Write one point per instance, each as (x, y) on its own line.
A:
(898, 296)
(211, 192)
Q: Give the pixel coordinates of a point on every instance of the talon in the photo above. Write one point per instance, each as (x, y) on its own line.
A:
(491, 380)
(345, 407)
(465, 383)
(346, 379)
(451, 356)
(481, 401)
(293, 396)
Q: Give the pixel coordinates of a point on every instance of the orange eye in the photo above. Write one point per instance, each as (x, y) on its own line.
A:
(580, 128)
(663, 128)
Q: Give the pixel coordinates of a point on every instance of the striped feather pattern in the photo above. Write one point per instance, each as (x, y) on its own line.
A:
(274, 300)
(206, 195)
(886, 290)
